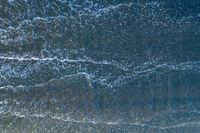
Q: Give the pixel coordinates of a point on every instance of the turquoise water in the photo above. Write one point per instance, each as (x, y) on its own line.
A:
(105, 66)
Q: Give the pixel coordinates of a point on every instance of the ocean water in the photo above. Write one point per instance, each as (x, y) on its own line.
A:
(99, 66)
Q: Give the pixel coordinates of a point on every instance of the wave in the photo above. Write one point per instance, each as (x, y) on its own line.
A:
(109, 65)
(99, 122)
(104, 62)
(126, 72)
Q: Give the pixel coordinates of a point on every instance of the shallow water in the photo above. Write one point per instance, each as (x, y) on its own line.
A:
(108, 66)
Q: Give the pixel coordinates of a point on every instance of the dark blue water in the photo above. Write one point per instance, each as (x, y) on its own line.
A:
(99, 66)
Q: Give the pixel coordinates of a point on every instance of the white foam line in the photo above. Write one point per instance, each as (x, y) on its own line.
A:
(97, 122)
(185, 124)
(111, 123)
(144, 72)
(108, 9)
(68, 119)
(104, 62)
(7, 87)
